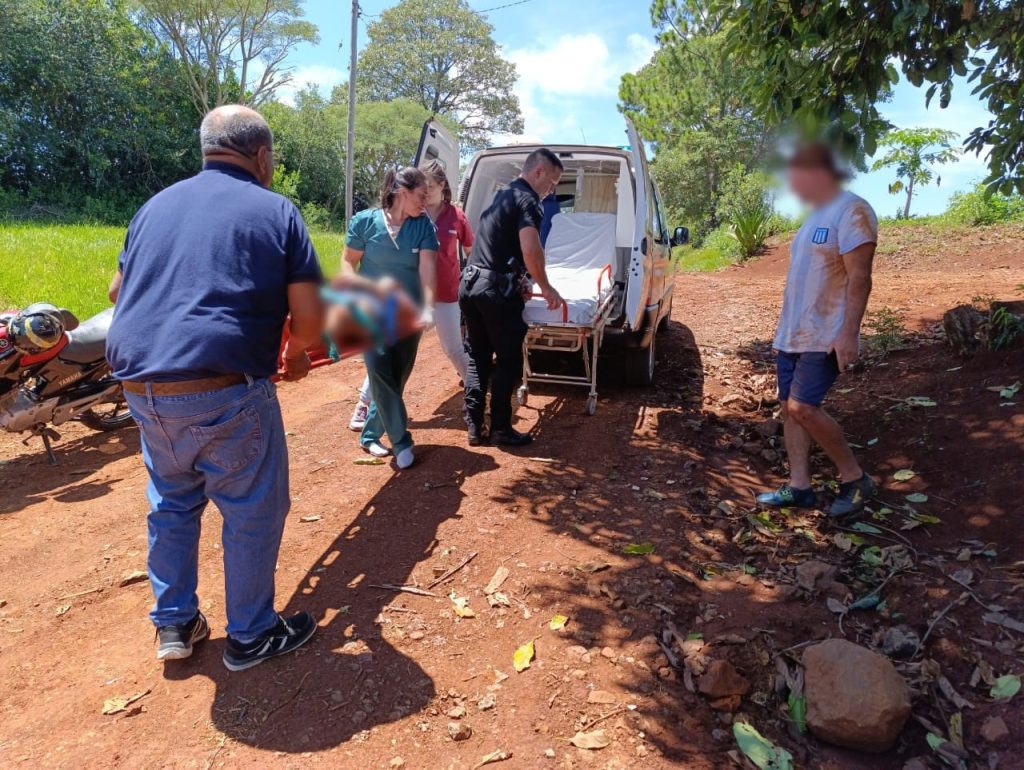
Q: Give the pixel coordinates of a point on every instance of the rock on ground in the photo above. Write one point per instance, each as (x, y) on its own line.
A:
(994, 730)
(855, 697)
(722, 679)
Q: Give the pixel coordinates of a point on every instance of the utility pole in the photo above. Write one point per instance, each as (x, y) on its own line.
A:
(350, 159)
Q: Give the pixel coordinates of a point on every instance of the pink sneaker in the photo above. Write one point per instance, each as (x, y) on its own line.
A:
(358, 421)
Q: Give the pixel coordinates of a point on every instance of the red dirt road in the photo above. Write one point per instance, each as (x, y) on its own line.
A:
(674, 466)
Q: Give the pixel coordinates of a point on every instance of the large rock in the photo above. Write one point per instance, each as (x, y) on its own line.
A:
(855, 697)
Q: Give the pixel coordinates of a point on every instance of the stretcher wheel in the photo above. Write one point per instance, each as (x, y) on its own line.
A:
(523, 395)
(591, 405)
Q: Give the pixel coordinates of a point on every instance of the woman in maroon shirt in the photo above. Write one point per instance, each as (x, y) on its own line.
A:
(452, 229)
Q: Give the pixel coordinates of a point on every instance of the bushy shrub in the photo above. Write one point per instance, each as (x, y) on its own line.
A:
(743, 192)
(108, 211)
(746, 206)
(751, 229)
(979, 208)
(286, 183)
(316, 216)
(780, 224)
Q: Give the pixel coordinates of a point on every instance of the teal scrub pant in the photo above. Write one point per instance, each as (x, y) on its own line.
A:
(389, 371)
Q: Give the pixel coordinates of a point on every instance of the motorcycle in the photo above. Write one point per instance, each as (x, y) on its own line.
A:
(67, 377)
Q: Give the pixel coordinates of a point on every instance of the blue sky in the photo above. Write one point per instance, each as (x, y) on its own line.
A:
(570, 56)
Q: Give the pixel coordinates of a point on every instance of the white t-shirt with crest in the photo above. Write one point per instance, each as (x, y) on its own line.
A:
(814, 302)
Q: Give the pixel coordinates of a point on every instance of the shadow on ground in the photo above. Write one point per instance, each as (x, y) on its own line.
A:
(72, 479)
(353, 674)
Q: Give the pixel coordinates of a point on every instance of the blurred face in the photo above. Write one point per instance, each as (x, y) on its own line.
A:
(413, 201)
(435, 192)
(813, 185)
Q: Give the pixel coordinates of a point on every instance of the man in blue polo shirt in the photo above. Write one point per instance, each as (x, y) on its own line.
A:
(211, 268)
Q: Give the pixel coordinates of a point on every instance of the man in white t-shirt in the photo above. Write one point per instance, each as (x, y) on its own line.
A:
(818, 338)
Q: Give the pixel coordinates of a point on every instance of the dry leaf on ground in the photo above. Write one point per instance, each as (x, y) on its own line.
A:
(460, 606)
(523, 656)
(122, 702)
(595, 739)
(499, 577)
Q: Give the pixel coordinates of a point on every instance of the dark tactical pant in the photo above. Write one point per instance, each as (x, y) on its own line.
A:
(492, 307)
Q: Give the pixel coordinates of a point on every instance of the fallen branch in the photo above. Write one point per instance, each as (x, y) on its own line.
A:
(404, 589)
(931, 626)
(213, 757)
(453, 570)
(81, 593)
(290, 698)
(609, 715)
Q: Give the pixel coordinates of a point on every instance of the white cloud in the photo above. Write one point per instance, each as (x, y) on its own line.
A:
(556, 79)
(324, 78)
(574, 65)
(641, 49)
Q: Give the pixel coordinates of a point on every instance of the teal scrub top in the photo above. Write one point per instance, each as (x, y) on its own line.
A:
(384, 257)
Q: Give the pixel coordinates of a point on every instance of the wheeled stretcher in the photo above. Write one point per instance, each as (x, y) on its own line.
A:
(580, 258)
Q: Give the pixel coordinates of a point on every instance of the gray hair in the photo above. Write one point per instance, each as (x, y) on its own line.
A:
(234, 127)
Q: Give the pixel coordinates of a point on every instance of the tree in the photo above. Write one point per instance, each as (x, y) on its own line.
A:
(310, 145)
(825, 65)
(231, 50)
(441, 55)
(914, 152)
(91, 106)
(687, 102)
(309, 141)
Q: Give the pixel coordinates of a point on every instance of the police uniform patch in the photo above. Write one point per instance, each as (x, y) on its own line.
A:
(820, 235)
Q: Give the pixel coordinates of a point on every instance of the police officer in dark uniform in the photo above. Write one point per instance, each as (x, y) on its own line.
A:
(507, 255)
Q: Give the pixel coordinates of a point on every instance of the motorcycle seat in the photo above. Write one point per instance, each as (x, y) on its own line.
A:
(88, 343)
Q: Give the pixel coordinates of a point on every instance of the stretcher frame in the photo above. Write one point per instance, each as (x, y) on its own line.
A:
(569, 338)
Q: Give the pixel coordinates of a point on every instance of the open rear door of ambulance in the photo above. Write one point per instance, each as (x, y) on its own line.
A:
(438, 143)
(638, 279)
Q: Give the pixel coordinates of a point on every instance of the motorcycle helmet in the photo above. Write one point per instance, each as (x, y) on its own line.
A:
(6, 346)
(33, 332)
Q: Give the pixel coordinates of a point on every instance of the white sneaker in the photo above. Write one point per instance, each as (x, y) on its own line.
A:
(405, 459)
(358, 421)
(377, 450)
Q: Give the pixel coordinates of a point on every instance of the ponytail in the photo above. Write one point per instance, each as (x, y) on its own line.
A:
(408, 178)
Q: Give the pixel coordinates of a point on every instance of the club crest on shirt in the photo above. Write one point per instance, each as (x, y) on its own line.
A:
(820, 235)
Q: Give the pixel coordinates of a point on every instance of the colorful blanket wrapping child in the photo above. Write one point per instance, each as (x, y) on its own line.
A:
(367, 315)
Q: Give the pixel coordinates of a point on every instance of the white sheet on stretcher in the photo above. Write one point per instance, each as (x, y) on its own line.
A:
(578, 248)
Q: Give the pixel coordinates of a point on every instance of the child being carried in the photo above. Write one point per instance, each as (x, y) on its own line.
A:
(368, 315)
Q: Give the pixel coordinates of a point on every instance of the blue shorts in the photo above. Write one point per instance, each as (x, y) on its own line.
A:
(806, 377)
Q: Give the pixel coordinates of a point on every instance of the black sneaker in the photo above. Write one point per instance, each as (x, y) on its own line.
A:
(511, 437)
(176, 641)
(286, 636)
(853, 496)
(477, 435)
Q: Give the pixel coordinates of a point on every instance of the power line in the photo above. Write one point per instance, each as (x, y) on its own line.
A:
(503, 7)
(478, 13)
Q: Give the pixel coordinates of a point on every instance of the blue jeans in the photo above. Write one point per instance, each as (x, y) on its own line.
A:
(227, 446)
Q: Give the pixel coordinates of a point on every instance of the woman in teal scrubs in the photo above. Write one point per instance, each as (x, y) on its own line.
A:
(398, 241)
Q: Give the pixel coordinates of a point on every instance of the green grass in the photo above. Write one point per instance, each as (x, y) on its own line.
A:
(71, 265)
(718, 250)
